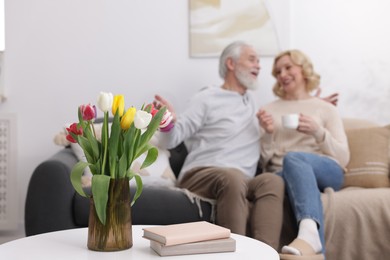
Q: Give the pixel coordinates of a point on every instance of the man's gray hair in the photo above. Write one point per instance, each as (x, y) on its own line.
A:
(233, 51)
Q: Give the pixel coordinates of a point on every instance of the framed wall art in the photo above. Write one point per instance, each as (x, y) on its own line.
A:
(216, 23)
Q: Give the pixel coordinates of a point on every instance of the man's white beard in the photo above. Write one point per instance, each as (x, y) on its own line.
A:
(245, 79)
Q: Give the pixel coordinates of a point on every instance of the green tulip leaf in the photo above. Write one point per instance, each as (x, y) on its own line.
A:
(75, 177)
(137, 139)
(138, 181)
(104, 144)
(122, 167)
(151, 157)
(113, 144)
(95, 168)
(128, 144)
(86, 146)
(100, 187)
(92, 142)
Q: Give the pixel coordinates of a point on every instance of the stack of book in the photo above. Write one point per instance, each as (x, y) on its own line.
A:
(189, 238)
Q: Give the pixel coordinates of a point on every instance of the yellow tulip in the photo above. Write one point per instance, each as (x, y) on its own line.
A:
(128, 118)
(118, 105)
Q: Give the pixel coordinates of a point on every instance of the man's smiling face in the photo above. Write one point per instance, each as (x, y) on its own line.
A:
(247, 68)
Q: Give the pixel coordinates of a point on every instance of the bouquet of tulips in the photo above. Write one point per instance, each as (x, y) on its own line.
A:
(111, 155)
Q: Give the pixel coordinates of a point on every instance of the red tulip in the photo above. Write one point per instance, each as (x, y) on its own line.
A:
(74, 129)
(153, 110)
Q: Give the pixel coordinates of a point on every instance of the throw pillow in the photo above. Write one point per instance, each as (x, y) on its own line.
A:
(157, 174)
(369, 157)
(388, 155)
(160, 172)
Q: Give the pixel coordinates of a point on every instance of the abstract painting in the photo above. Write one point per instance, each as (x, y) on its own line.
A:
(216, 23)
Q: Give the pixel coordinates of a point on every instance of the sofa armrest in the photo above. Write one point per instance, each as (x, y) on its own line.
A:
(50, 195)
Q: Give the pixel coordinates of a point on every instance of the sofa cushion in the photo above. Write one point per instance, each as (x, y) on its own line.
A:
(369, 163)
(353, 123)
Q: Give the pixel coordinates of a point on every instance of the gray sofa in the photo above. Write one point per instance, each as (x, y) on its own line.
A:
(52, 203)
(357, 218)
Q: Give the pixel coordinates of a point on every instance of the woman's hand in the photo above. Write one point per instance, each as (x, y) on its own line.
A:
(307, 125)
(266, 121)
(160, 102)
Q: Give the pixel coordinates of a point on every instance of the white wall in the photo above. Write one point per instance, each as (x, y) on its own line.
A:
(349, 43)
(61, 53)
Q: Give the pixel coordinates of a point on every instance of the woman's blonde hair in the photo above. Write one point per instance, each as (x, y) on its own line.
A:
(300, 59)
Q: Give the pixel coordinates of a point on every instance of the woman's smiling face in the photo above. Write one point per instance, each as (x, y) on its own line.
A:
(289, 75)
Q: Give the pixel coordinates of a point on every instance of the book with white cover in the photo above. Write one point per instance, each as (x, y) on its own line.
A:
(203, 247)
(185, 233)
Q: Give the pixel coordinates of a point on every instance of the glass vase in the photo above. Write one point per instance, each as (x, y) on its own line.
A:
(116, 234)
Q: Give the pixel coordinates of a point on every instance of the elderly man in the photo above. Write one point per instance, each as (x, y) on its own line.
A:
(222, 136)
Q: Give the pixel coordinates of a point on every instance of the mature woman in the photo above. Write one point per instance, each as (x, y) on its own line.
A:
(310, 157)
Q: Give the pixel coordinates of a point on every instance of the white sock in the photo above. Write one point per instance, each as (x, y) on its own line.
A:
(308, 232)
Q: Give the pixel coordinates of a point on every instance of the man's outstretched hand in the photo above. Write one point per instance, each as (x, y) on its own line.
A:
(159, 102)
(333, 98)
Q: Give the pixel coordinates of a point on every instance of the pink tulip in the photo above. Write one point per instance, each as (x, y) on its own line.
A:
(166, 123)
(88, 112)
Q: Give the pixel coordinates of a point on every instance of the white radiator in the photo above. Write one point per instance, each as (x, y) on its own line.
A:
(8, 172)
(2, 89)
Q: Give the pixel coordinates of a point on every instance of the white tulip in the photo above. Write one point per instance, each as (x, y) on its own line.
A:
(142, 119)
(104, 102)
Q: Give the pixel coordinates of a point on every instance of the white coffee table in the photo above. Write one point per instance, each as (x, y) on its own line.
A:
(72, 244)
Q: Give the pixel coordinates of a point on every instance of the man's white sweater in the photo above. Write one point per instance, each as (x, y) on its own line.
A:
(220, 129)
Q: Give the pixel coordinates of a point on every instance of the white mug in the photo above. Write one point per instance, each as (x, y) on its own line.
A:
(290, 121)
